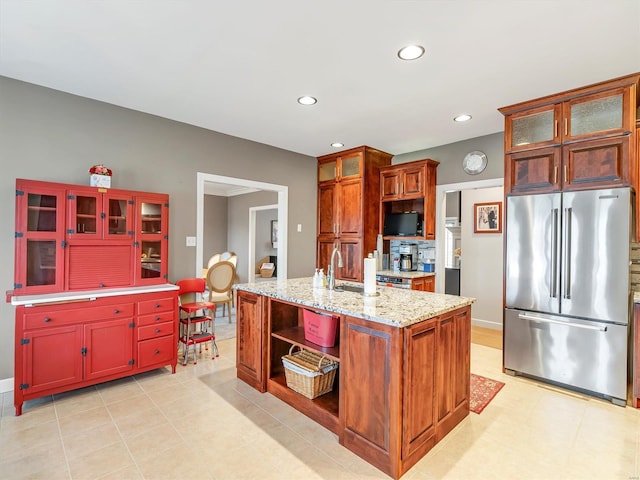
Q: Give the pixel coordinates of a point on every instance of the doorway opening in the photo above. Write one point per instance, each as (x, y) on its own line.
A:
(282, 206)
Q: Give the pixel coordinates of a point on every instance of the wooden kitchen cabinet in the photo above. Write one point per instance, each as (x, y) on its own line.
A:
(424, 284)
(575, 140)
(402, 182)
(348, 206)
(386, 404)
(83, 340)
(251, 329)
(410, 187)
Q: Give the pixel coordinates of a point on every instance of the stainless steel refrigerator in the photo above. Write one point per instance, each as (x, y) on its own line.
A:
(567, 292)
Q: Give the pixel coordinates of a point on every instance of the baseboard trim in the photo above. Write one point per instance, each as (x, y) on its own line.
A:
(486, 324)
(6, 385)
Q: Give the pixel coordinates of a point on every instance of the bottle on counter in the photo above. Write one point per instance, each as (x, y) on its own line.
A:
(317, 282)
(323, 279)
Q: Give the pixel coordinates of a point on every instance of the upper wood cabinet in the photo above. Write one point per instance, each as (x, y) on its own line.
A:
(410, 187)
(402, 182)
(349, 206)
(575, 140)
(71, 237)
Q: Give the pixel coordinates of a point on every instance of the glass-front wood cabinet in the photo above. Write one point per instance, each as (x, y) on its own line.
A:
(99, 214)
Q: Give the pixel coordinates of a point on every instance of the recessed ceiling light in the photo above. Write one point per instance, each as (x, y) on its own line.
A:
(306, 100)
(462, 118)
(337, 144)
(411, 52)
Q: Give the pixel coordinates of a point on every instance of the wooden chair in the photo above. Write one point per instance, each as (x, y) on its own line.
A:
(196, 326)
(220, 278)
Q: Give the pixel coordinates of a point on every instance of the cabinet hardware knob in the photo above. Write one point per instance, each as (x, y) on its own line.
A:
(157, 319)
(47, 319)
(116, 311)
(158, 330)
(157, 305)
(156, 352)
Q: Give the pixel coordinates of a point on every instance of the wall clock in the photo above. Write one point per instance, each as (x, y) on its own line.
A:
(474, 162)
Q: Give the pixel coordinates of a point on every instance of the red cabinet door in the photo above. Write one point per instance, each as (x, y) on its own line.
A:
(109, 347)
(52, 358)
(151, 239)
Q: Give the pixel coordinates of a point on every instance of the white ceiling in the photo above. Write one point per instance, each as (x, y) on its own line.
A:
(237, 67)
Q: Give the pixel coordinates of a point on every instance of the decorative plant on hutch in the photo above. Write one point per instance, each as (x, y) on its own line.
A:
(100, 176)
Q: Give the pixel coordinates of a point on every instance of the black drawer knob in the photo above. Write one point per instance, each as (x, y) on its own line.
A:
(158, 305)
(158, 319)
(157, 352)
(47, 319)
(116, 311)
(158, 330)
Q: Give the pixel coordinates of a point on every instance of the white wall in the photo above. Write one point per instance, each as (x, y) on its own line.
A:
(481, 261)
(263, 233)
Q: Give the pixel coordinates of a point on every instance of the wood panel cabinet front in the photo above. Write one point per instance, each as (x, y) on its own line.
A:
(348, 204)
(370, 371)
(575, 140)
(251, 350)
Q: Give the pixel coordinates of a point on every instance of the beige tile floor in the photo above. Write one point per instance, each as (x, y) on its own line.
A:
(203, 423)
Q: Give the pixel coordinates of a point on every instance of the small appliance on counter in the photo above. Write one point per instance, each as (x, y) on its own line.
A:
(408, 257)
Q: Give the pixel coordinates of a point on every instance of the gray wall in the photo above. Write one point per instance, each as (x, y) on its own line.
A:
(53, 136)
(238, 231)
(450, 158)
(263, 233)
(214, 234)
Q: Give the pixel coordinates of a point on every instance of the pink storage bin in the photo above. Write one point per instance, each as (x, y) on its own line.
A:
(320, 328)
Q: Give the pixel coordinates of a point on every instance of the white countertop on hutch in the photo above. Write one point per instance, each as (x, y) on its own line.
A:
(393, 306)
(87, 295)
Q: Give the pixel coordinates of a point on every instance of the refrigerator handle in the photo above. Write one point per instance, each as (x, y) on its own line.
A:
(524, 316)
(567, 253)
(554, 253)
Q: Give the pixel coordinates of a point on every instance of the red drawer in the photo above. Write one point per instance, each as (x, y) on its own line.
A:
(158, 351)
(156, 318)
(159, 305)
(153, 331)
(43, 317)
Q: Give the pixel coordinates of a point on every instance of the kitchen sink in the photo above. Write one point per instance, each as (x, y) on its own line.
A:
(349, 288)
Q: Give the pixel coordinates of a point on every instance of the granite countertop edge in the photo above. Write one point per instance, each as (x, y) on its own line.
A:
(416, 307)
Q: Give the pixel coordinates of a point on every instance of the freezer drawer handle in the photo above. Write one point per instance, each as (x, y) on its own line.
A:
(524, 316)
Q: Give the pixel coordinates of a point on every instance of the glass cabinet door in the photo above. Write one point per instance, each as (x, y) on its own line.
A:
(350, 166)
(534, 128)
(327, 171)
(83, 214)
(594, 114)
(118, 212)
(39, 236)
(151, 240)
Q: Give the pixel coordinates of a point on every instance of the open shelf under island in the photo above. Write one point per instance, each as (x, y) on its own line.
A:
(403, 379)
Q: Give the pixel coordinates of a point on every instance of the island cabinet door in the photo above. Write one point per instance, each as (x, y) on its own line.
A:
(370, 405)
(418, 401)
(452, 370)
(251, 345)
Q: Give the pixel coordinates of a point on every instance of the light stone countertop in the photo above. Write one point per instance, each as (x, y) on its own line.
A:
(394, 306)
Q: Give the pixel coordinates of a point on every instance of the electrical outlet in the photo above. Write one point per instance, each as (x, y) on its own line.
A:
(191, 241)
(299, 227)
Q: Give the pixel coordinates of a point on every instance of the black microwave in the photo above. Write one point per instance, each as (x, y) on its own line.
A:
(401, 224)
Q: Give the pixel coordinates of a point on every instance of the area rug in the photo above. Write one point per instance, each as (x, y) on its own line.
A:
(483, 390)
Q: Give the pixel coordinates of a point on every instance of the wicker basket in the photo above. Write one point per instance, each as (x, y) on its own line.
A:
(308, 373)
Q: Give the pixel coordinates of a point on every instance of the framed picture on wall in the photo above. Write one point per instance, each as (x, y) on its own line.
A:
(274, 233)
(487, 217)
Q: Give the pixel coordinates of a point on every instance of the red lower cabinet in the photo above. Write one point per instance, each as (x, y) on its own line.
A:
(67, 345)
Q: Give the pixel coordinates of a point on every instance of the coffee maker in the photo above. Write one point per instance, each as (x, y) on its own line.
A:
(408, 257)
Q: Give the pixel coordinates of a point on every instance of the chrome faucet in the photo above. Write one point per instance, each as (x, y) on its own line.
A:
(331, 270)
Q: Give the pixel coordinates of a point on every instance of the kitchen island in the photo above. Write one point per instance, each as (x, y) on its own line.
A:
(403, 376)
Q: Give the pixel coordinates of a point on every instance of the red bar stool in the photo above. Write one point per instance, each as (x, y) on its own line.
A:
(196, 326)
